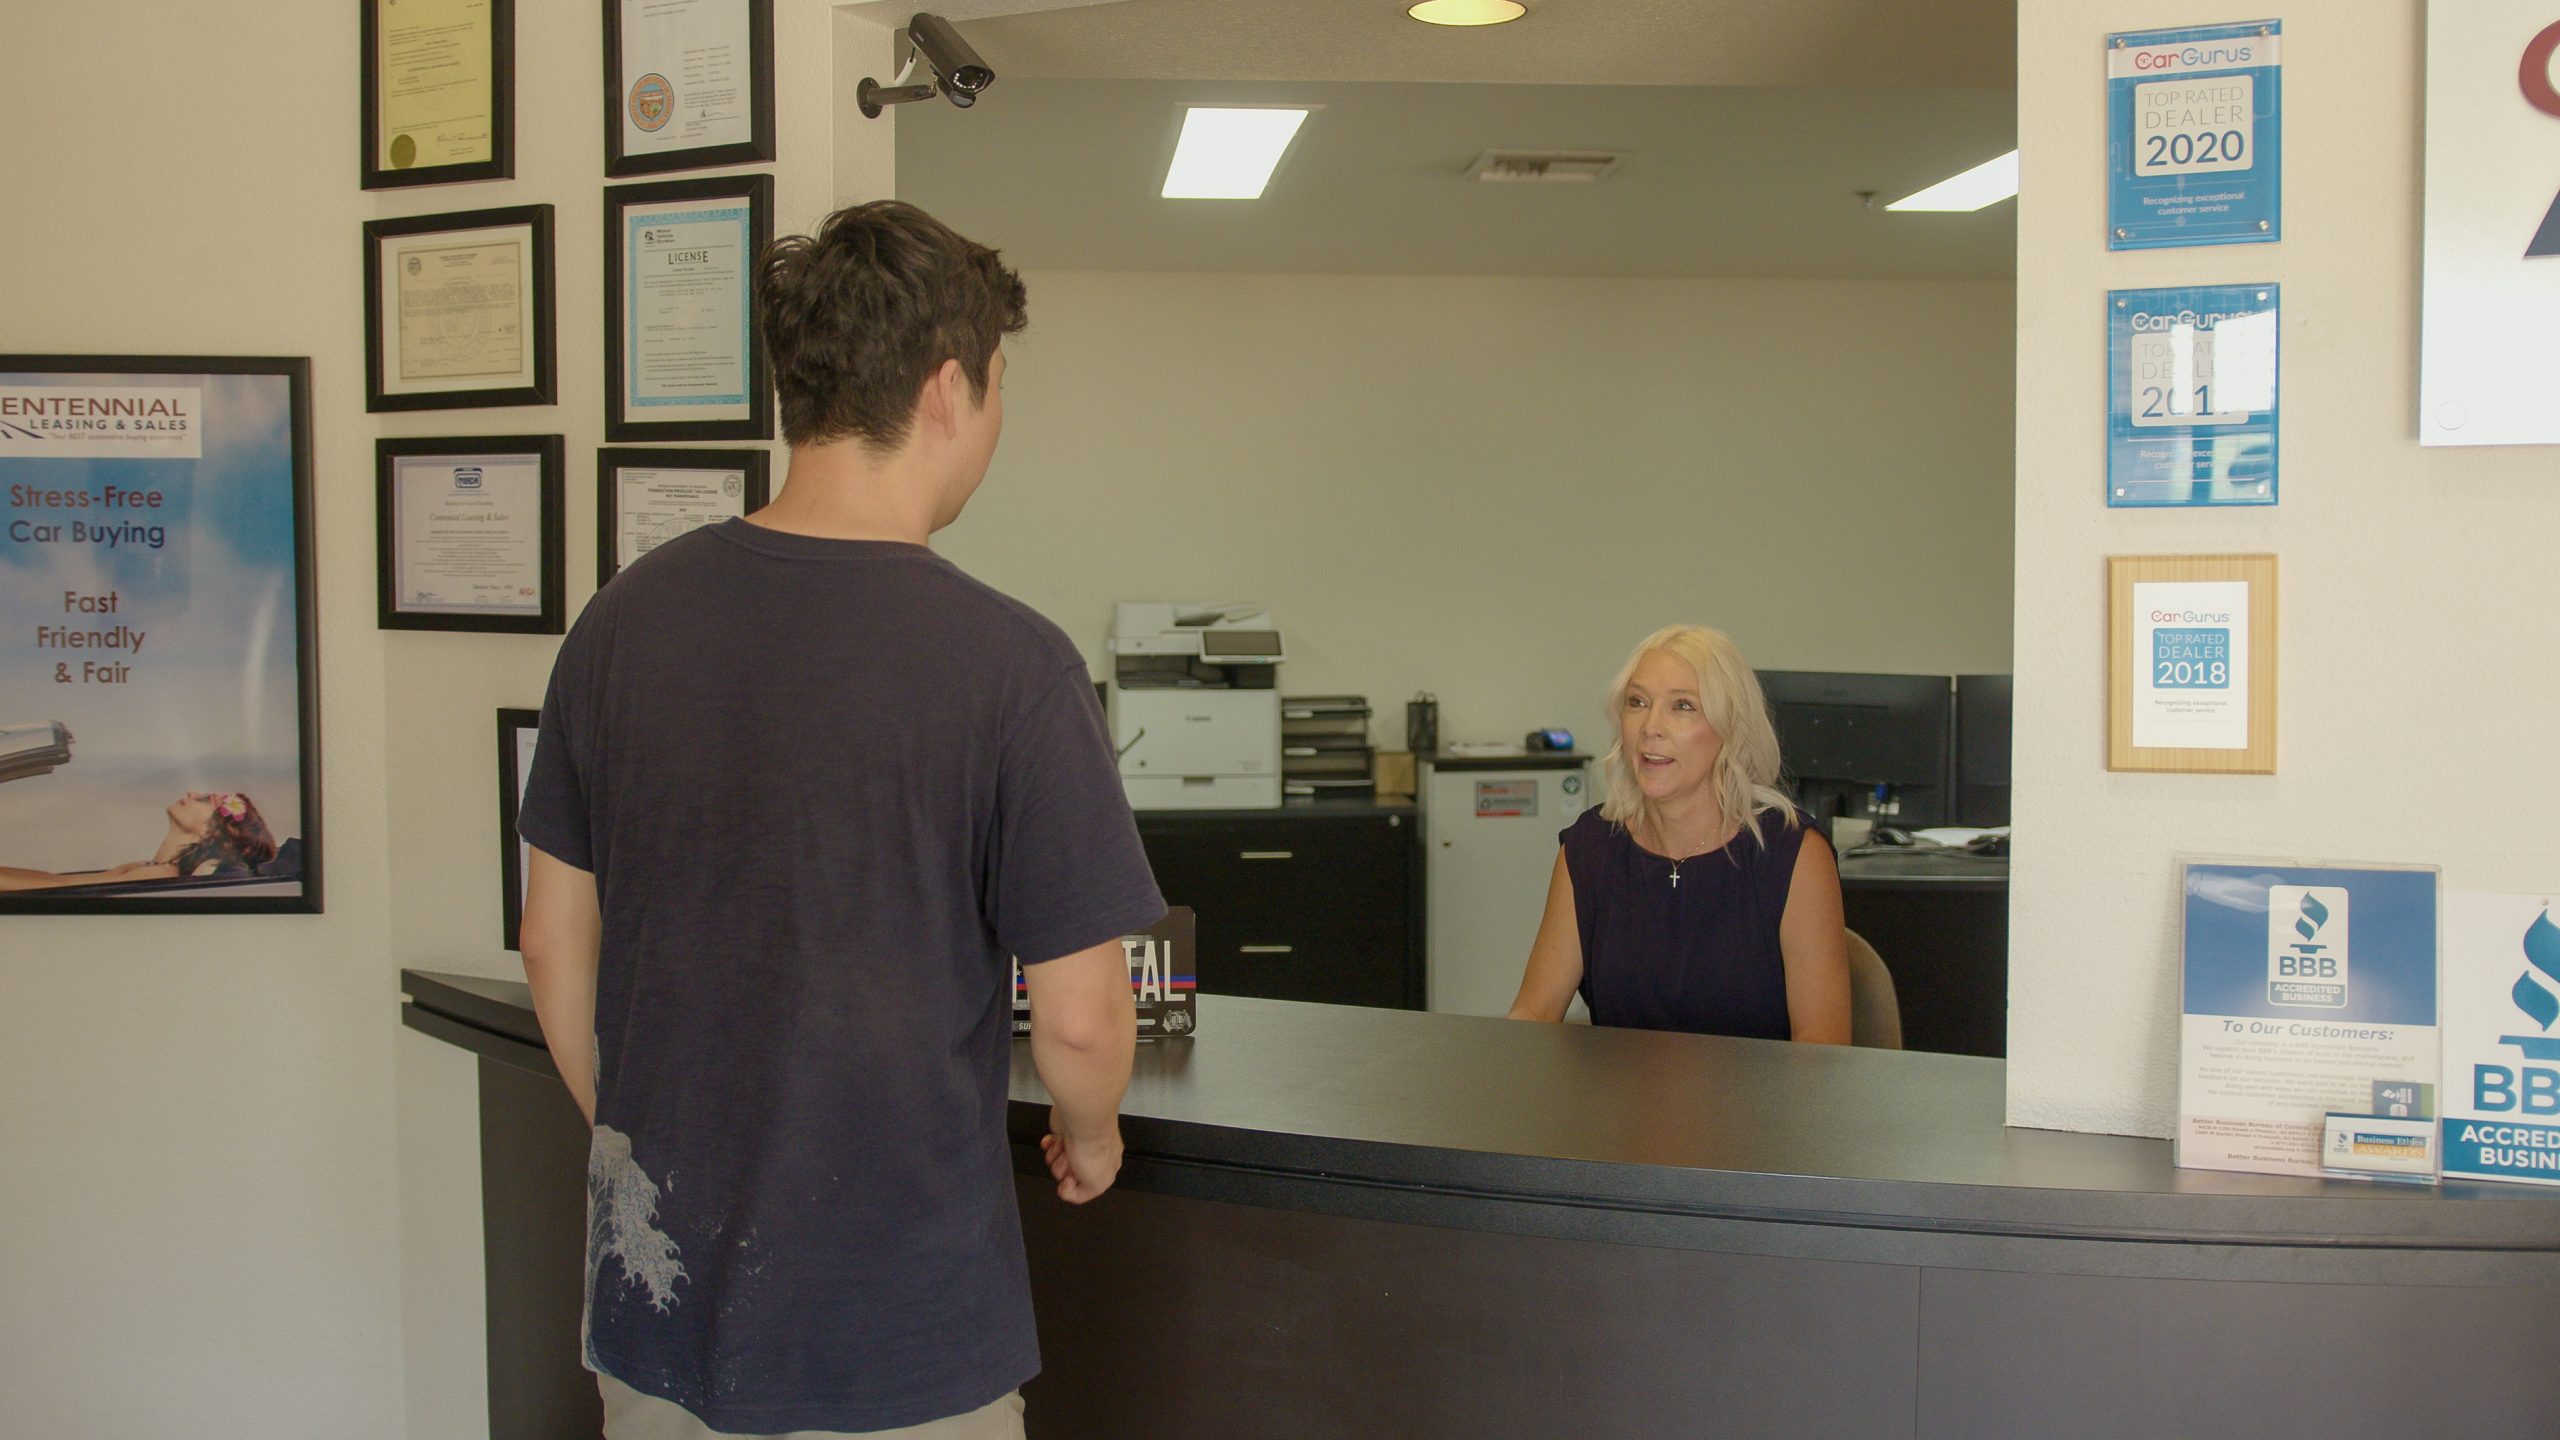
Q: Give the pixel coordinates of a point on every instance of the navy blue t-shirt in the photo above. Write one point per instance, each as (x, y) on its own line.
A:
(827, 789)
(1701, 955)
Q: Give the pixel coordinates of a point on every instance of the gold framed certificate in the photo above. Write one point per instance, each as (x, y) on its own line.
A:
(2191, 663)
(688, 84)
(684, 359)
(458, 310)
(468, 533)
(439, 91)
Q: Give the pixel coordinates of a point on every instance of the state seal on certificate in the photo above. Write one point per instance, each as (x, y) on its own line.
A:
(688, 84)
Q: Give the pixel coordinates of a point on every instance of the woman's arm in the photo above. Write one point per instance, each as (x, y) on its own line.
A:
(1555, 957)
(1814, 939)
(12, 878)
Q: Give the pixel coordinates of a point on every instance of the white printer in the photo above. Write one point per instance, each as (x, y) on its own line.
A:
(1195, 705)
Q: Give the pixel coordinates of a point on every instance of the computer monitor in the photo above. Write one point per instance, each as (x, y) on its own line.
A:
(1982, 750)
(1841, 736)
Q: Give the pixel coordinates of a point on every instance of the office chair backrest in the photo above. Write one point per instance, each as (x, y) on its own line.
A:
(1875, 1016)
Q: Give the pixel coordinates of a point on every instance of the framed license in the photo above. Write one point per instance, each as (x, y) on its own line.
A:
(2191, 395)
(468, 533)
(688, 84)
(645, 498)
(457, 310)
(159, 677)
(439, 91)
(517, 732)
(683, 357)
(2191, 663)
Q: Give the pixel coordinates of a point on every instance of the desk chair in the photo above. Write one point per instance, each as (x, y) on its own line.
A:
(1875, 1016)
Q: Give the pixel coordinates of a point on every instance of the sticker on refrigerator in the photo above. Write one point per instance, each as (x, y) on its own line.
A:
(1506, 797)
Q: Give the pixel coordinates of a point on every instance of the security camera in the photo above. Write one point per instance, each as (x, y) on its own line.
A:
(958, 73)
(964, 76)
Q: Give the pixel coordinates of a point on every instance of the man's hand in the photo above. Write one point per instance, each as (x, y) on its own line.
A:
(1083, 1169)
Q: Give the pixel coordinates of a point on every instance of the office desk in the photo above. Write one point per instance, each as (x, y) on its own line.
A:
(1339, 1221)
(1941, 922)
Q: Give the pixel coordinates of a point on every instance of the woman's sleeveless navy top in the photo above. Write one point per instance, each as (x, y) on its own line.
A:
(1700, 956)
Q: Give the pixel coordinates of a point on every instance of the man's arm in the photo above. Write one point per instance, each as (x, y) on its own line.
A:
(561, 936)
(1084, 1034)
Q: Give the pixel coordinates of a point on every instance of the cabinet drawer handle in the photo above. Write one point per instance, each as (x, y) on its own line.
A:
(1266, 855)
(1265, 949)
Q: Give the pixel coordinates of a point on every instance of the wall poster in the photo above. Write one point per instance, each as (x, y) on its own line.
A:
(159, 694)
(2310, 991)
(2487, 368)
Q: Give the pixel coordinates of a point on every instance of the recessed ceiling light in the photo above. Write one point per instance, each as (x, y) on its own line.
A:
(1228, 154)
(1988, 183)
(1467, 12)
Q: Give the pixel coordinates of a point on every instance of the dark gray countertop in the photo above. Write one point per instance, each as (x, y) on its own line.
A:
(1677, 1125)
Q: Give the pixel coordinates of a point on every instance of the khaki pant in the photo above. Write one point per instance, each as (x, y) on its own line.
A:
(630, 1415)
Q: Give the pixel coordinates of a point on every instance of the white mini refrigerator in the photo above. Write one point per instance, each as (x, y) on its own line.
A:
(1489, 826)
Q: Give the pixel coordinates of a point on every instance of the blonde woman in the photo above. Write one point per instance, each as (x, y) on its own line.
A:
(1695, 897)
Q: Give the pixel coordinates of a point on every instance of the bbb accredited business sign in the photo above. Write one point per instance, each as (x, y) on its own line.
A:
(2489, 365)
(2310, 991)
(2195, 123)
(2502, 1039)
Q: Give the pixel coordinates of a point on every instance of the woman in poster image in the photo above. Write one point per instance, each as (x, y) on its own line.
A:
(210, 832)
(1694, 897)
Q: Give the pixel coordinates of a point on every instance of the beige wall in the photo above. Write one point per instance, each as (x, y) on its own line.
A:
(1491, 488)
(211, 1207)
(2416, 616)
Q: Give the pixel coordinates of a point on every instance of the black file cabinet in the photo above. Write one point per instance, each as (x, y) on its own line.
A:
(1319, 900)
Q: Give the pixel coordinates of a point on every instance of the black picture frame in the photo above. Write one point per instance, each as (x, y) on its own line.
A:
(611, 461)
(550, 451)
(255, 479)
(501, 164)
(514, 764)
(755, 192)
(540, 385)
(758, 150)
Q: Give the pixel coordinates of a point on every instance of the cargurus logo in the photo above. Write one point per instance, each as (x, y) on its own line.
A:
(2307, 946)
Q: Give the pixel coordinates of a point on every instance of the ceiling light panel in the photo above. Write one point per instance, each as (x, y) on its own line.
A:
(1229, 154)
(1988, 183)
(1467, 12)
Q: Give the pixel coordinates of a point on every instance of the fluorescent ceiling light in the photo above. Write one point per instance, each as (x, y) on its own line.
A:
(1467, 12)
(1988, 183)
(1229, 154)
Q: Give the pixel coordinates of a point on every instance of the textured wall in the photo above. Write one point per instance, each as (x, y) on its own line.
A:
(2416, 621)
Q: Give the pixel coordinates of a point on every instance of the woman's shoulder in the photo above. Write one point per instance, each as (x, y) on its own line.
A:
(1784, 828)
(1589, 830)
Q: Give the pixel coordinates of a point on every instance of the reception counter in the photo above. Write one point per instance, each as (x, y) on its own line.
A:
(1357, 1222)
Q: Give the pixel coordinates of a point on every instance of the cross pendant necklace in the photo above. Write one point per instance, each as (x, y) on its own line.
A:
(1675, 874)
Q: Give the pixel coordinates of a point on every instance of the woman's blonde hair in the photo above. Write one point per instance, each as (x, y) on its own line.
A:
(1746, 769)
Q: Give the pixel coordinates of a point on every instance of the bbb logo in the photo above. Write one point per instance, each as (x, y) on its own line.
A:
(2529, 1089)
(2307, 946)
(466, 477)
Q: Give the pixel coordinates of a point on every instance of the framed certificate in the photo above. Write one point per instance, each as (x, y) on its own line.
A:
(688, 84)
(457, 310)
(2191, 395)
(439, 91)
(645, 498)
(517, 732)
(683, 356)
(160, 736)
(2191, 663)
(468, 533)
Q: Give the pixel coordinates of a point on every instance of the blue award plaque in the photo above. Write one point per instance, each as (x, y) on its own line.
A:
(2191, 396)
(2195, 131)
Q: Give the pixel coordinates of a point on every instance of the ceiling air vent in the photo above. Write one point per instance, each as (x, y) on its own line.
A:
(1551, 167)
